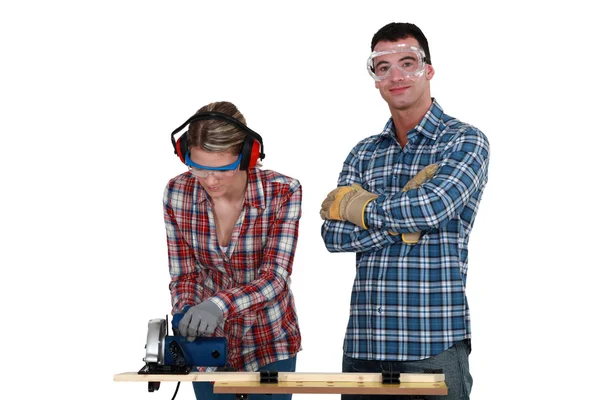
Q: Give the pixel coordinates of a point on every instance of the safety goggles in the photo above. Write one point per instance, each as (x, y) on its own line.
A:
(408, 59)
(202, 171)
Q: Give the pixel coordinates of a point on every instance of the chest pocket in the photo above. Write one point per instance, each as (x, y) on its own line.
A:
(377, 171)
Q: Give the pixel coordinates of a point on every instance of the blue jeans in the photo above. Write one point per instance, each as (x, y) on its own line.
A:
(453, 361)
(204, 390)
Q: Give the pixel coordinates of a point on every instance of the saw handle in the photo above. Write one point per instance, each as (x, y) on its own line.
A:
(176, 318)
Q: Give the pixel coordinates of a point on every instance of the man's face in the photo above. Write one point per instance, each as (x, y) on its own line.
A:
(400, 91)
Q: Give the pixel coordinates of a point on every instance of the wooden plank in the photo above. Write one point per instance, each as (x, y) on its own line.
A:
(282, 376)
(332, 387)
(191, 377)
(354, 377)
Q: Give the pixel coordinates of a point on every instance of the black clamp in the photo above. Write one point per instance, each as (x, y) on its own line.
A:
(269, 377)
(390, 378)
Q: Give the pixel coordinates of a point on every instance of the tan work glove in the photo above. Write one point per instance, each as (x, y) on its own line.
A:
(423, 175)
(347, 203)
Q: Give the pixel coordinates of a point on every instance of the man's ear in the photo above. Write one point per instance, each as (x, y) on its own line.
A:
(429, 71)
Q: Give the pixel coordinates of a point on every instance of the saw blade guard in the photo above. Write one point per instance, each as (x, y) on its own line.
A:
(155, 341)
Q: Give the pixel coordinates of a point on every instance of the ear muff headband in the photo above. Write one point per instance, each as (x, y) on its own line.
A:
(252, 148)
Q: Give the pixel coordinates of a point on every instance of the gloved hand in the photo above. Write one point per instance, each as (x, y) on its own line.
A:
(423, 175)
(201, 319)
(420, 178)
(347, 203)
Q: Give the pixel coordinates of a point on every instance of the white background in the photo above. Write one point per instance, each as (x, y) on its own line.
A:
(90, 92)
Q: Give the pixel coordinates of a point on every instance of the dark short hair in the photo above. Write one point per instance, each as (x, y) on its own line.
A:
(401, 30)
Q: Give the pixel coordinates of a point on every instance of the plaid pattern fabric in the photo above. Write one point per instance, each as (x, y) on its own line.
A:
(249, 282)
(408, 301)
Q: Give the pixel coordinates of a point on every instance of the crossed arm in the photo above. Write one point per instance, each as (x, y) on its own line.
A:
(461, 171)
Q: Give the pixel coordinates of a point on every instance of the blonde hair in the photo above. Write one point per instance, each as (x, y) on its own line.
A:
(217, 136)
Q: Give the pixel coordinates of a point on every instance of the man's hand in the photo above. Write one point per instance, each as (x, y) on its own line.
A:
(200, 319)
(347, 203)
(423, 175)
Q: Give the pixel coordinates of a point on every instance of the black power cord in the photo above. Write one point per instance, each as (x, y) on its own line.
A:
(176, 390)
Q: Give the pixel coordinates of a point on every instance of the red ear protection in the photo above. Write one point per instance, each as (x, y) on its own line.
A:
(250, 153)
(252, 148)
(181, 147)
(255, 154)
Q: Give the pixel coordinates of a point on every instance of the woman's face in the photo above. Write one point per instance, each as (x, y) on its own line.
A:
(217, 183)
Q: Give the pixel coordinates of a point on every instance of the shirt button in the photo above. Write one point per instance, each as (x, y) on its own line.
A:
(379, 310)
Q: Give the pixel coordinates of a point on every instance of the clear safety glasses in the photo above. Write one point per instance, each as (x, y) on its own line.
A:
(202, 171)
(408, 59)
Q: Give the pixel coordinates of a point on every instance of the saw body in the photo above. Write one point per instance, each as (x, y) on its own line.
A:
(175, 354)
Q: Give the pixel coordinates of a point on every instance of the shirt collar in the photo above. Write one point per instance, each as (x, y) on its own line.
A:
(255, 194)
(428, 127)
(430, 124)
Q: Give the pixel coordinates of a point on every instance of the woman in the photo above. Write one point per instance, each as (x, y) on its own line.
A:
(231, 233)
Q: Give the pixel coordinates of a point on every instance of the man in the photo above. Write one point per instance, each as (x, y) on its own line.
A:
(405, 203)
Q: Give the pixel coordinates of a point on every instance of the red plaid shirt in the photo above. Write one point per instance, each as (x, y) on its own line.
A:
(250, 282)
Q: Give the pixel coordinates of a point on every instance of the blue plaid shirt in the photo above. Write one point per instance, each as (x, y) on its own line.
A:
(408, 301)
